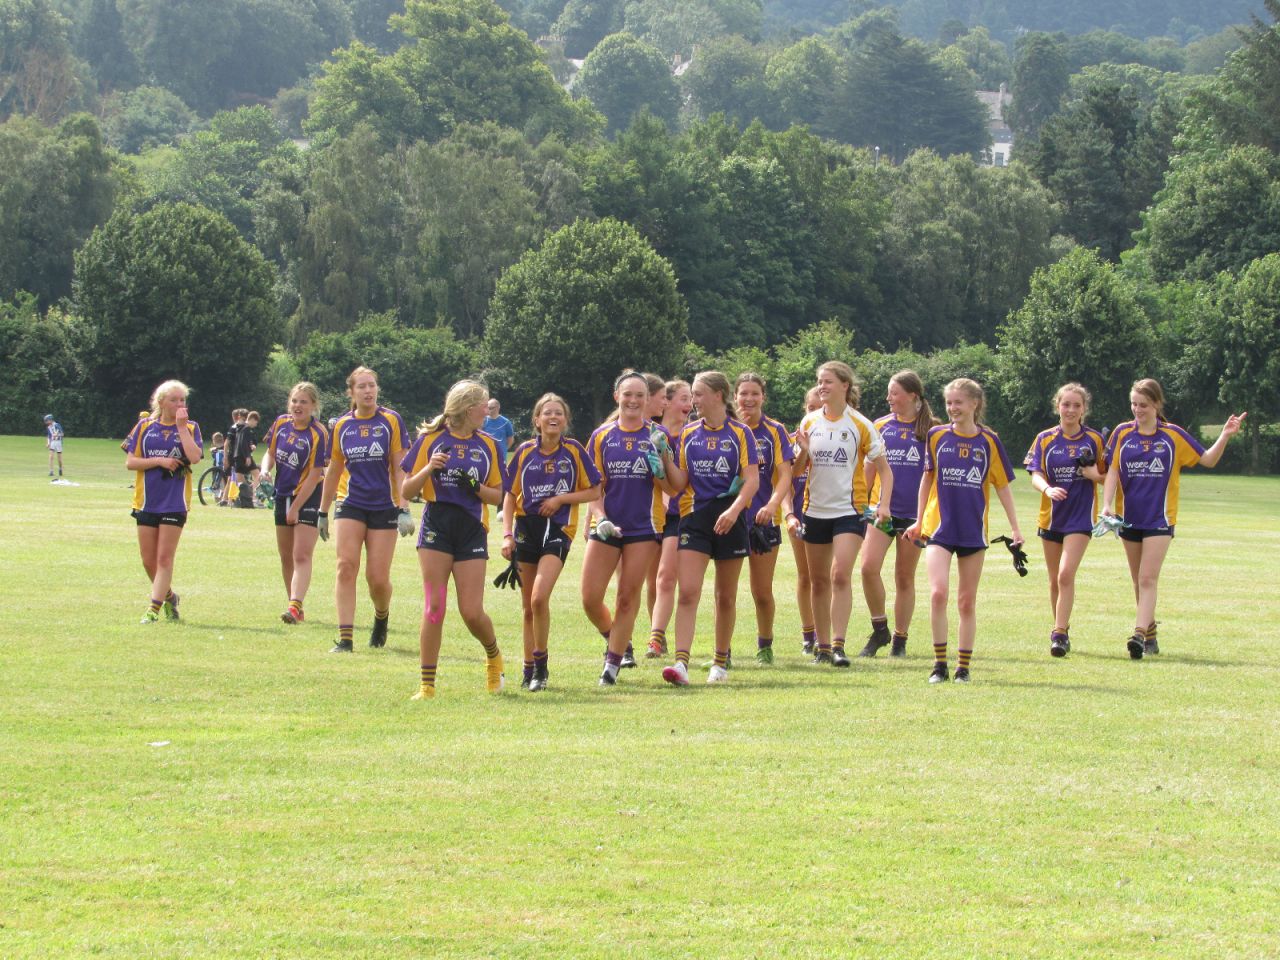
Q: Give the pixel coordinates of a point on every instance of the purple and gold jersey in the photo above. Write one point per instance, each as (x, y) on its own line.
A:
(673, 503)
(1053, 454)
(965, 469)
(297, 453)
(905, 455)
(1150, 465)
(713, 457)
(773, 448)
(475, 456)
(365, 450)
(153, 491)
(533, 477)
(632, 496)
(798, 479)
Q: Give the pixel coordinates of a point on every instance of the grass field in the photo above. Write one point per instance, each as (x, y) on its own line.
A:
(226, 788)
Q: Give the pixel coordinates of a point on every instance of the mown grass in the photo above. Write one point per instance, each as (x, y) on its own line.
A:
(226, 788)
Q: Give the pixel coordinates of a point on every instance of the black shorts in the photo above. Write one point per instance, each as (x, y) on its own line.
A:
(538, 537)
(958, 551)
(387, 519)
(697, 532)
(672, 527)
(627, 539)
(1138, 534)
(1055, 536)
(244, 465)
(146, 518)
(309, 514)
(824, 530)
(448, 528)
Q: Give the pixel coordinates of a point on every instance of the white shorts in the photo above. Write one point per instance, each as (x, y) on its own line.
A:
(55, 446)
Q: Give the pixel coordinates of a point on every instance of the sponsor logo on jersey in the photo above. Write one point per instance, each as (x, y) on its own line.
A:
(562, 487)
(913, 455)
(722, 465)
(841, 456)
(974, 475)
(375, 449)
(1156, 466)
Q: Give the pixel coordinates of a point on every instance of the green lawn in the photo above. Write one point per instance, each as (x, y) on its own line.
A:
(225, 787)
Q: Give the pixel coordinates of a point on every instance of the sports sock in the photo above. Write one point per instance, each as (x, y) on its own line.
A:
(490, 648)
(879, 623)
(1150, 632)
(658, 636)
(899, 636)
(428, 674)
(809, 635)
(346, 633)
(940, 653)
(682, 656)
(721, 658)
(156, 605)
(169, 597)
(824, 647)
(837, 643)
(763, 642)
(528, 671)
(381, 614)
(295, 607)
(962, 658)
(630, 650)
(540, 663)
(612, 661)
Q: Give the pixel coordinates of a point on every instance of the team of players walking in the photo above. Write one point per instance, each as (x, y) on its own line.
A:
(666, 496)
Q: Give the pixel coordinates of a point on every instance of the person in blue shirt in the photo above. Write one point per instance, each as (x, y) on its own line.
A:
(53, 440)
(499, 428)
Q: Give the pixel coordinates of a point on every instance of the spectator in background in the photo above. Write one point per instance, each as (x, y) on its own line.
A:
(499, 428)
(53, 440)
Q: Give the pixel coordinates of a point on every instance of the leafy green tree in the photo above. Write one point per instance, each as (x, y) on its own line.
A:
(1040, 78)
(465, 63)
(41, 367)
(592, 299)
(174, 291)
(1243, 104)
(584, 23)
(683, 26)
(415, 366)
(898, 95)
(56, 185)
(370, 23)
(802, 80)
(1081, 321)
(727, 76)
(39, 74)
(986, 60)
(101, 41)
(1250, 338)
(623, 76)
(1216, 212)
(144, 117)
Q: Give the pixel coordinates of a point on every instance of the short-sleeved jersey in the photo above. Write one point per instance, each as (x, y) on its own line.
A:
(153, 491)
(476, 456)
(53, 431)
(773, 448)
(1149, 465)
(904, 452)
(365, 450)
(1053, 454)
(713, 457)
(297, 453)
(965, 468)
(838, 449)
(533, 477)
(632, 495)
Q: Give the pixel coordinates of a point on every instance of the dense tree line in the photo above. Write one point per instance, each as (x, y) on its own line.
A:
(454, 196)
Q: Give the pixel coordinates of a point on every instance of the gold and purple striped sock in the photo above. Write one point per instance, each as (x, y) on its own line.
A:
(940, 653)
(682, 656)
(490, 648)
(346, 633)
(962, 658)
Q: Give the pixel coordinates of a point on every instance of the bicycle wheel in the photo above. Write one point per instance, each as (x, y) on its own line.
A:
(210, 486)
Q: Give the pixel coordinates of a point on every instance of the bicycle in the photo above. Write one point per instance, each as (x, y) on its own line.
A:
(212, 483)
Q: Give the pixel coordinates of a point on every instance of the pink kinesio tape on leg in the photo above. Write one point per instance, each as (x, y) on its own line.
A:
(435, 607)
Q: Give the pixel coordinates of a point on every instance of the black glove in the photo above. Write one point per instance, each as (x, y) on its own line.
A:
(184, 468)
(509, 577)
(1019, 555)
(1087, 457)
(759, 540)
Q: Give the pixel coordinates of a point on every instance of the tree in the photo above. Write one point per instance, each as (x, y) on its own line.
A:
(174, 291)
(56, 185)
(1080, 322)
(984, 58)
(465, 63)
(100, 40)
(415, 366)
(898, 95)
(1216, 212)
(727, 76)
(568, 316)
(1243, 105)
(802, 80)
(1250, 336)
(1040, 77)
(39, 75)
(623, 76)
(144, 117)
(584, 23)
(683, 26)
(41, 366)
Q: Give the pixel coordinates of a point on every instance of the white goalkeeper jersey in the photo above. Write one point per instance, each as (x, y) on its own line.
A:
(837, 485)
